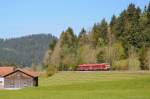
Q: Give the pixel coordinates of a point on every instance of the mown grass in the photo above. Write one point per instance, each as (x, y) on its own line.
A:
(87, 85)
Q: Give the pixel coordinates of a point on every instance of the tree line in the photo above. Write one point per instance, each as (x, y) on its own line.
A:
(124, 43)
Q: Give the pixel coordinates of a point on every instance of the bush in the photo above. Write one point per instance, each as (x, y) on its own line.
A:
(51, 70)
(148, 59)
(133, 60)
(120, 65)
(118, 51)
(134, 64)
(145, 58)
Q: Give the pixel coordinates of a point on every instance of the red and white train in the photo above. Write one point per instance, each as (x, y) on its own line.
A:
(94, 67)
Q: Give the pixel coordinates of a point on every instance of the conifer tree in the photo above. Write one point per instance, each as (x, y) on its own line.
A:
(100, 30)
(82, 38)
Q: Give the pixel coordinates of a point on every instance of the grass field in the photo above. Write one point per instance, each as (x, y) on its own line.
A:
(87, 85)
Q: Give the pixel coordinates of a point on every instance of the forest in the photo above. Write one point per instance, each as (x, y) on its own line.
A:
(24, 51)
(124, 43)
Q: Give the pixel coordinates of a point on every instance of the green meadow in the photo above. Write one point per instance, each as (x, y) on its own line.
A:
(87, 85)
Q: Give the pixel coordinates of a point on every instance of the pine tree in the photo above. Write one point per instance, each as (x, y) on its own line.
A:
(99, 30)
(145, 23)
(100, 57)
(68, 38)
(148, 8)
(128, 27)
(104, 30)
(82, 38)
(52, 44)
(113, 21)
(112, 29)
(83, 32)
(68, 46)
(148, 13)
(120, 25)
(95, 34)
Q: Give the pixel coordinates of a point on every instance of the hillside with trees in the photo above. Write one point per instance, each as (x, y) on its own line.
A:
(124, 42)
(24, 51)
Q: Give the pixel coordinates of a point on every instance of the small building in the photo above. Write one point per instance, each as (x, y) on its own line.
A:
(11, 78)
(94, 67)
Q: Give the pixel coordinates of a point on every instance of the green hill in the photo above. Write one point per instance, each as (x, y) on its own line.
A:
(24, 51)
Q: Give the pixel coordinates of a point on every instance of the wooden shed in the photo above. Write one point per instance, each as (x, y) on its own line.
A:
(11, 78)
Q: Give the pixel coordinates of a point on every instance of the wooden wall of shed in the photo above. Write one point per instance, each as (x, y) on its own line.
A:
(18, 80)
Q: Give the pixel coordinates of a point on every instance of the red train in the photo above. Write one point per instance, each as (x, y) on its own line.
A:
(94, 67)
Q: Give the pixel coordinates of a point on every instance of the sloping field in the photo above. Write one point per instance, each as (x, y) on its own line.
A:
(87, 85)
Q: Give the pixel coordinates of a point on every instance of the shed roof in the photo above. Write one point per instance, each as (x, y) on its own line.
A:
(4, 71)
(29, 72)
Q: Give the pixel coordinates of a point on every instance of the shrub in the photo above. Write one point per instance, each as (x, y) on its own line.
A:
(134, 64)
(145, 58)
(120, 65)
(148, 59)
(118, 51)
(51, 70)
(133, 60)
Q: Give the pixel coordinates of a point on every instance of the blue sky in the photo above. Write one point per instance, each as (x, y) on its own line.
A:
(24, 17)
